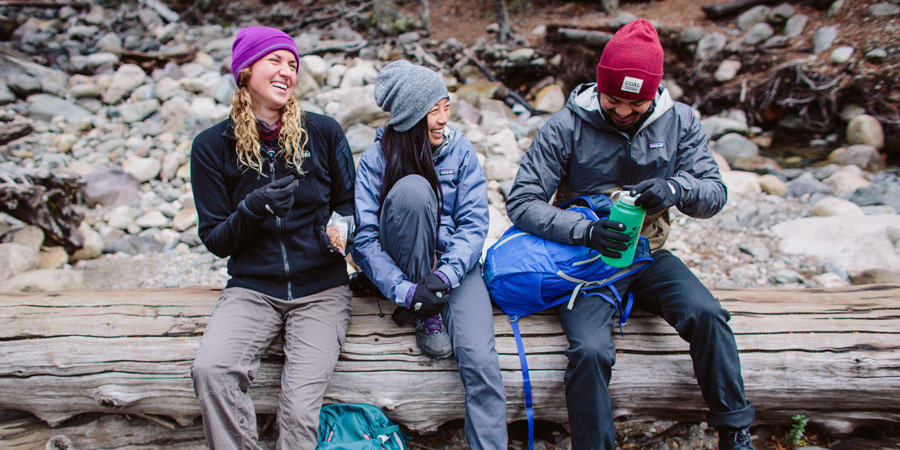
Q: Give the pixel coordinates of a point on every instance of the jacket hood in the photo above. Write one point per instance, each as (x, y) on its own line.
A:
(584, 101)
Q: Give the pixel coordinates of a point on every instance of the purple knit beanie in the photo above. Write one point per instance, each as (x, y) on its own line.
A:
(252, 43)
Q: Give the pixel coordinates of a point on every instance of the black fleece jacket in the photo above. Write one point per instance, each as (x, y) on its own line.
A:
(286, 257)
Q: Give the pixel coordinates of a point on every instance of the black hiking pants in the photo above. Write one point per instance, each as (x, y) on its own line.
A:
(668, 289)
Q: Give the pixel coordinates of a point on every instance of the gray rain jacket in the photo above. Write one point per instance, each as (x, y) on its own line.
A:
(578, 152)
(464, 218)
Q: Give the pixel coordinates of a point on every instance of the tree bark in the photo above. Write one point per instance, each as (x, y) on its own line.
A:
(831, 353)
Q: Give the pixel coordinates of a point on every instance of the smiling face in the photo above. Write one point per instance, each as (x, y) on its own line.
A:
(437, 119)
(624, 113)
(271, 83)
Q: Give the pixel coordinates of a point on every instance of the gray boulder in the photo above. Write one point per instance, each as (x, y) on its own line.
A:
(709, 45)
(718, 126)
(758, 34)
(795, 25)
(884, 9)
(878, 193)
(127, 78)
(46, 107)
(17, 258)
(824, 38)
(753, 16)
(110, 185)
(734, 146)
(807, 184)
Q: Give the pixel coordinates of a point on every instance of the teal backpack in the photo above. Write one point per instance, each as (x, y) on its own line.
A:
(358, 426)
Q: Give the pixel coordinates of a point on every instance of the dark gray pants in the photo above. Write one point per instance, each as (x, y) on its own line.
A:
(407, 227)
(243, 324)
(669, 289)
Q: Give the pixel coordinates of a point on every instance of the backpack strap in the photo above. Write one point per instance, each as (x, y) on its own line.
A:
(526, 379)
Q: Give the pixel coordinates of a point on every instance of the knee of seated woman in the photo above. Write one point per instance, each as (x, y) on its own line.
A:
(412, 190)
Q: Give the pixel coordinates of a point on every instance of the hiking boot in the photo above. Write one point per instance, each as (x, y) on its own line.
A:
(734, 439)
(432, 337)
(362, 286)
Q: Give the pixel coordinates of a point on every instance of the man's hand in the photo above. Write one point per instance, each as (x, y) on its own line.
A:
(607, 237)
(656, 194)
(275, 198)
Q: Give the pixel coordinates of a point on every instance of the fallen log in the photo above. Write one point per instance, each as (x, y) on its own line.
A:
(833, 354)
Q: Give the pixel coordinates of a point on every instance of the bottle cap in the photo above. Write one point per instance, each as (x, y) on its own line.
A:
(624, 197)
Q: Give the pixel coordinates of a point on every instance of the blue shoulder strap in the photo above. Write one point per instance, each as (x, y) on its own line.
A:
(526, 379)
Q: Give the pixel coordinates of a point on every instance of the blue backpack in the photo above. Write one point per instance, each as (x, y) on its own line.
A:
(526, 274)
(358, 426)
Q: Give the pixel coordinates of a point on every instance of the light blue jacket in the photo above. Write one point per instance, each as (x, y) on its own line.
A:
(464, 217)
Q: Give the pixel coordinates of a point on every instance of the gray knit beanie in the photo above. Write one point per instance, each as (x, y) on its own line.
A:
(408, 92)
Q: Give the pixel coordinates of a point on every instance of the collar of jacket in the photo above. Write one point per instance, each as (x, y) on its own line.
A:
(585, 103)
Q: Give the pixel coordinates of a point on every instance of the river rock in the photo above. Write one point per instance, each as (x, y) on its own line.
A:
(152, 219)
(758, 34)
(174, 113)
(166, 88)
(521, 55)
(841, 55)
(360, 136)
(45, 280)
(827, 280)
(753, 16)
(134, 245)
(734, 146)
(53, 258)
(718, 126)
(806, 184)
(46, 107)
(359, 76)
(690, 35)
(824, 38)
(315, 66)
(504, 144)
(127, 78)
(855, 244)
(500, 169)
(876, 55)
(884, 9)
(550, 98)
(110, 185)
(741, 183)
(30, 236)
(771, 184)
(833, 206)
(709, 45)
(142, 169)
(780, 14)
(847, 180)
(878, 193)
(877, 276)
(93, 244)
(6, 95)
(795, 25)
(727, 70)
(864, 156)
(357, 105)
(138, 111)
(865, 129)
(184, 219)
(17, 258)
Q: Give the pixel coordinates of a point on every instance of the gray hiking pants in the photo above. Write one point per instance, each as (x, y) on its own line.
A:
(243, 324)
(407, 227)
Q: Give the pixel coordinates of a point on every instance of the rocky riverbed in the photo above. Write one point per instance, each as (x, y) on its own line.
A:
(114, 96)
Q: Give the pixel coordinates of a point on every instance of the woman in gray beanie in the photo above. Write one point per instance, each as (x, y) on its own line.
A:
(421, 201)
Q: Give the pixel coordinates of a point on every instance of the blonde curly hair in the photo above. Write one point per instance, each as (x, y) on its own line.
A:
(292, 138)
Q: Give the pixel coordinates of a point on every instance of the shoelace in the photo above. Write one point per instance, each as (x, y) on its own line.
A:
(434, 324)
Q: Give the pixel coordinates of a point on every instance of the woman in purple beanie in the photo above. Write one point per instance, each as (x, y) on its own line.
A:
(270, 183)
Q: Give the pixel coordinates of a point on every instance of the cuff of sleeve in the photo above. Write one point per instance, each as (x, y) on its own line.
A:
(405, 292)
(449, 275)
(242, 207)
(578, 231)
(443, 277)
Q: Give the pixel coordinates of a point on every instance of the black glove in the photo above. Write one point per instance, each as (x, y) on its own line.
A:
(430, 296)
(656, 194)
(607, 237)
(275, 198)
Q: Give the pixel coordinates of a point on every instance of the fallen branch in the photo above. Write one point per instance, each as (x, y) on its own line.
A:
(490, 76)
(722, 10)
(44, 200)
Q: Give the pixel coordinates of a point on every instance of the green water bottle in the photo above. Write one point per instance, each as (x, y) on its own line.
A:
(624, 210)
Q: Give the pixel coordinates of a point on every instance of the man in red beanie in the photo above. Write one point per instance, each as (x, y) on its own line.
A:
(626, 132)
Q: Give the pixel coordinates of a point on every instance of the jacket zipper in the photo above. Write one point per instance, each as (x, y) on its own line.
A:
(279, 231)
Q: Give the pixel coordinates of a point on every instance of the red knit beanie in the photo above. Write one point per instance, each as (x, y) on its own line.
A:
(631, 65)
